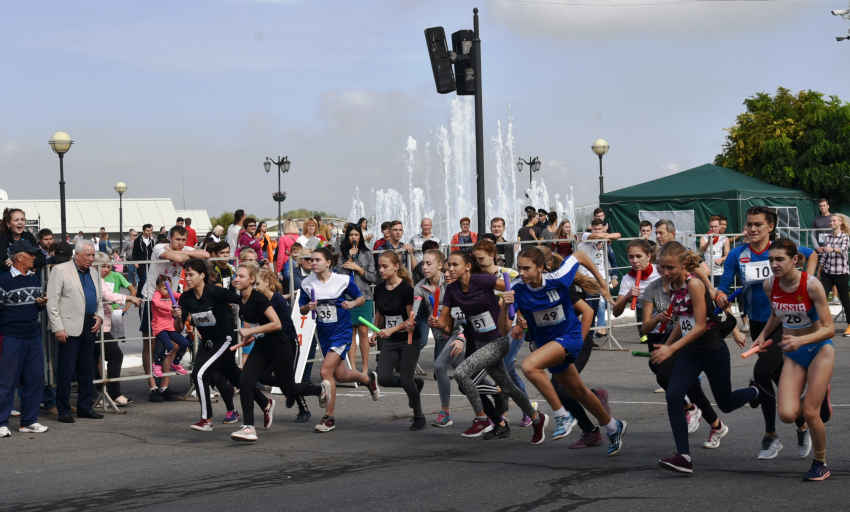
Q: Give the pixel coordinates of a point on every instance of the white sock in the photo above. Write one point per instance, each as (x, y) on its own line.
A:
(687, 400)
(560, 413)
(154, 388)
(611, 427)
(162, 389)
(686, 457)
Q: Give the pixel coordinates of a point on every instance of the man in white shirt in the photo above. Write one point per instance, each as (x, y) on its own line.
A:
(233, 230)
(598, 252)
(417, 240)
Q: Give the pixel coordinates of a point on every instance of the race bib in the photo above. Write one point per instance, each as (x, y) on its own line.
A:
(392, 321)
(549, 316)
(483, 322)
(796, 320)
(326, 313)
(457, 314)
(756, 271)
(204, 319)
(686, 323)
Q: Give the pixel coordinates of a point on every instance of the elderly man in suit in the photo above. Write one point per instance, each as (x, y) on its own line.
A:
(75, 311)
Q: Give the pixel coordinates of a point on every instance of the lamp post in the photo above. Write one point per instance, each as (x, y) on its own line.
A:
(533, 166)
(61, 143)
(121, 187)
(279, 196)
(600, 147)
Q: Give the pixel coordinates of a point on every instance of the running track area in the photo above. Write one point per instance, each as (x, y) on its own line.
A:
(149, 458)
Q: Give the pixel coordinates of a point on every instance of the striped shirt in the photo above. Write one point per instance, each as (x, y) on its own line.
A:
(836, 262)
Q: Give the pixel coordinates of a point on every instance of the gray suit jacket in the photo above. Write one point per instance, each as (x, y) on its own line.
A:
(66, 308)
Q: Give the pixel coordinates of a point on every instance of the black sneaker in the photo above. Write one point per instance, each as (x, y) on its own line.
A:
(303, 416)
(169, 396)
(290, 402)
(418, 423)
(499, 432)
(754, 403)
(156, 396)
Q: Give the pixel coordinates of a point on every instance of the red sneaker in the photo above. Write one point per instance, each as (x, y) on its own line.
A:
(588, 439)
(539, 428)
(326, 425)
(203, 426)
(479, 426)
(268, 413)
(677, 463)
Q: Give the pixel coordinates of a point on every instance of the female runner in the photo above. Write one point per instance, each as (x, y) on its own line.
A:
(544, 300)
(394, 306)
(696, 336)
(472, 292)
(799, 304)
(333, 327)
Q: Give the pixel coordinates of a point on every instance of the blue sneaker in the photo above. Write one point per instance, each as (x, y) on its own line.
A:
(443, 420)
(615, 440)
(563, 426)
(817, 472)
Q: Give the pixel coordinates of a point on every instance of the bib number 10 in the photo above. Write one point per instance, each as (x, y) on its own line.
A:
(757, 271)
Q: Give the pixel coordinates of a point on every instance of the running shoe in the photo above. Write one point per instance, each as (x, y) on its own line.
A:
(563, 426)
(525, 421)
(443, 420)
(178, 369)
(660, 390)
(169, 396)
(157, 370)
(588, 439)
(539, 428)
(290, 401)
(499, 432)
(231, 417)
(754, 403)
(817, 472)
(826, 405)
(804, 443)
(35, 428)
(203, 426)
(373, 386)
(326, 425)
(677, 463)
(156, 396)
(4, 432)
(418, 423)
(268, 414)
(603, 397)
(694, 416)
(303, 416)
(715, 436)
(770, 447)
(479, 426)
(326, 394)
(746, 327)
(847, 331)
(615, 440)
(14, 413)
(245, 434)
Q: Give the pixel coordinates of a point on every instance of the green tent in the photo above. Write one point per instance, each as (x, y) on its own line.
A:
(697, 194)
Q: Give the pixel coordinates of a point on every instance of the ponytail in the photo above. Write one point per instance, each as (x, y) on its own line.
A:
(395, 260)
(690, 260)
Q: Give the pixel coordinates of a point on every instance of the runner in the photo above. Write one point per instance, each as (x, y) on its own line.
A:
(715, 249)
(542, 298)
(799, 304)
(394, 304)
(333, 327)
(749, 263)
(472, 292)
(356, 260)
(262, 326)
(696, 336)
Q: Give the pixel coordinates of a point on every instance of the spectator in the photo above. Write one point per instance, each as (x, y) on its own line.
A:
(267, 245)
(284, 247)
(464, 237)
(665, 231)
(213, 236)
(181, 222)
(565, 232)
(105, 245)
(714, 250)
(385, 231)
(530, 232)
(530, 213)
(417, 240)
(356, 260)
(334, 236)
(599, 213)
(821, 223)
(310, 236)
(247, 238)
(645, 228)
(505, 252)
(45, 240)
(836, 273)
(192, 238)
(163, 231)
(79, 238)
(11, 231)
(113, 282)
(76, 313)
(21, 301)
(234, 229)
(551, 228)
(142, 250)
(597, 252)
(322, 228)
(364, 228)
(127, 255)
(542, 218)
(394, 243)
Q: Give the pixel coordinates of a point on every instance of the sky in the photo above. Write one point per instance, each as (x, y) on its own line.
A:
(157, 93)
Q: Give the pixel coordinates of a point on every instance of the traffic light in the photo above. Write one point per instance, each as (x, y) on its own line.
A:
(441, 62)
(464, 62)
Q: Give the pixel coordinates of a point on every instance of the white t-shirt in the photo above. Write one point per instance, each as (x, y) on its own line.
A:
(628, 283)
(597, 253)
(715, 252)
(168, 268)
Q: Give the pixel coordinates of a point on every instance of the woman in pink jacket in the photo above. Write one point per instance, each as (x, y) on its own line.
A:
(247, 238)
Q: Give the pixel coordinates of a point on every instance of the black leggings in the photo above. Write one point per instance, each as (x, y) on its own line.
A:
(391, 353)
(280, 358)
(212, 358)
(114, 358)
(840, 281)
(766, 372)
(664, 371)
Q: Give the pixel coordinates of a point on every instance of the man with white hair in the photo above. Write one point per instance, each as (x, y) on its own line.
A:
(75, 311)
(418, 239)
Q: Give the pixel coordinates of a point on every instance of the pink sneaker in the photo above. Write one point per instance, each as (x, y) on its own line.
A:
(178, 369)
(157, 370)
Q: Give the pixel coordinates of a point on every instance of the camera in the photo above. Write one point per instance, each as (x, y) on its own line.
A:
(841, 12)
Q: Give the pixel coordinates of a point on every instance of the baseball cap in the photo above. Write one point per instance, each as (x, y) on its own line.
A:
(22, 246)
(62, 252)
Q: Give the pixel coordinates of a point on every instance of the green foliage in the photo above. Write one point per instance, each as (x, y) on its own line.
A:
(226, 219)
(302, 213)
(800, 141)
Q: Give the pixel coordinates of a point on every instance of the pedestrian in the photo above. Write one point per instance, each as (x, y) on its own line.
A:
(12, 229)
(505, 251)
(465, 236)
(192, 237)
(235, 229)
(835, 273)
(142, 250)
(248, 238)
(418, 239)
(356, 260)
(127, 256)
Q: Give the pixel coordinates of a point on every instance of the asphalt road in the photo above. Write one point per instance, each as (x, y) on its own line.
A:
(149, 458)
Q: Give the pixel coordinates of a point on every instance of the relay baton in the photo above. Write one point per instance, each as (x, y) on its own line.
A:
(368, 324)
(637, 284)
(170, 293)
(638, 353)
(730, 299)
(664, 325)
(755, 350)
(512, 309)
(313, 299)
(436, 303)
(433, 308)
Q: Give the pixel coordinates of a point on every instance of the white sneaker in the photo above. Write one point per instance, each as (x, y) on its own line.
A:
(14, 413)
(694, 416)
(715, 436)
(804, 443)
(770, 447)
(4, 432)
(35, 428)
(246, 433)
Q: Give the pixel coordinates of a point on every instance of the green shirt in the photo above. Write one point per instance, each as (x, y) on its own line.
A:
(115, 281)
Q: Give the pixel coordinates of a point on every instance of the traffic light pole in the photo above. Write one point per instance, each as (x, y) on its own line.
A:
(479, 127)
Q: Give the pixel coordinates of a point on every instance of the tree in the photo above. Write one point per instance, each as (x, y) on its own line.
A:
(226, 219)
(302, 213)
(800, 141)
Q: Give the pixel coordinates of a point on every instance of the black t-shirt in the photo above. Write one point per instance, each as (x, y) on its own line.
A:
(526, 231)
(281, 307)
(392, 305)
(253, 313)
(209, 313)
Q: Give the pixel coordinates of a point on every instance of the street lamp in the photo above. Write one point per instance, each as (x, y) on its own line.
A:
(600, 147)
(61, 143)
(121, 187)
(533, 166)
(283, 165)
